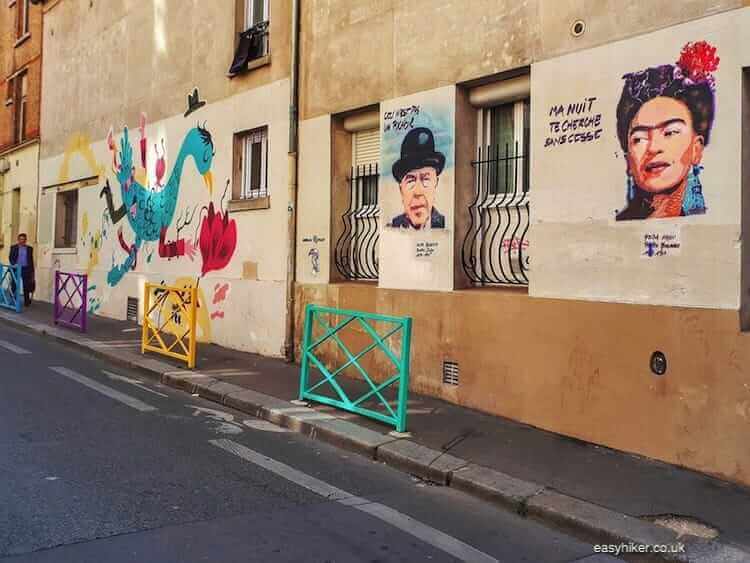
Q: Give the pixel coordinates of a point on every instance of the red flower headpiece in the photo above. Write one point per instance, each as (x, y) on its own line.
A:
(697, 61)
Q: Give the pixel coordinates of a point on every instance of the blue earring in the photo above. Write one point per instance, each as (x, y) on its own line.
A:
(631, 188)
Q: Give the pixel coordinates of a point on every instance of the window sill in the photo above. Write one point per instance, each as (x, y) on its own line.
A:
(252, 65)
(66, 250)
(22, 39)
(249, 204)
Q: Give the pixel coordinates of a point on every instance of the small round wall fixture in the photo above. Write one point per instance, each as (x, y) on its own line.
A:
(658, 363)
(578, 28)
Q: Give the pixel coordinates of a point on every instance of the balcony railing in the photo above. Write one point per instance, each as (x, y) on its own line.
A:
(495, 248)
(356, 252)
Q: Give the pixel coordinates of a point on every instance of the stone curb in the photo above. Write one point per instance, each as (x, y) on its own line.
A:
(583, 519)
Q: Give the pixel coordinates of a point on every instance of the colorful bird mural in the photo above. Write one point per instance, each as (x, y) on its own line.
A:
(149, 211)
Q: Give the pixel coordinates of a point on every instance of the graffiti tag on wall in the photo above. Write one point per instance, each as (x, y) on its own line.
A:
(576, 122)
(656, 244)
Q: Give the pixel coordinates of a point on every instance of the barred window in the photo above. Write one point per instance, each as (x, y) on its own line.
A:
(356, 252)
(495, 249)
(251, 151)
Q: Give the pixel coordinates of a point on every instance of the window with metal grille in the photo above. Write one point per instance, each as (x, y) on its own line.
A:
(356, 253)
(252, 153)
(495, 249)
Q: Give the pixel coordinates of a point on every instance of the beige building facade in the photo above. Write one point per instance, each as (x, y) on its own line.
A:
(554, 193)
(164, 159)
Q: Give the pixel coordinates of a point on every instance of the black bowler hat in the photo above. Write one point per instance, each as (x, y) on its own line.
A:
(418, 151)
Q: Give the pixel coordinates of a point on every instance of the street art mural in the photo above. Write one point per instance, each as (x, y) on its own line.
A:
(149, 211)
(416, 190)
(151, 214)
(664, 119)
(417, 150)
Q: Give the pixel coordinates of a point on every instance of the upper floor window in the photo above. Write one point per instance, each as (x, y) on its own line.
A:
(252, 40)
(17, 92)
(22, 18)
(256, 11)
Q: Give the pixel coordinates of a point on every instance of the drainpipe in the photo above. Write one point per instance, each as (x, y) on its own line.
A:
(291, 261)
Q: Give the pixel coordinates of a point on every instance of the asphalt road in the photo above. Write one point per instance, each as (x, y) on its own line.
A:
(98, 464)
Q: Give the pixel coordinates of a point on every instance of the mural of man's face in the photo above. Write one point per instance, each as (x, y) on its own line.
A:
(418, 189)
(662, 145)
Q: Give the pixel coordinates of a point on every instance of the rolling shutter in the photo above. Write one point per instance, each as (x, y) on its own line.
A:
(366, 147)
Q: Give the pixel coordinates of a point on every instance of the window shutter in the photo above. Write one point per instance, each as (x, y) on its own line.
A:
(366, 147)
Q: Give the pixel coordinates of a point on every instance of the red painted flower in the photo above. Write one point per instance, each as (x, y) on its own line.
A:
(217, 241)
(698, 60)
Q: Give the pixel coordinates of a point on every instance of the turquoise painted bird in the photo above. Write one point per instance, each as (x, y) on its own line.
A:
(150, 211)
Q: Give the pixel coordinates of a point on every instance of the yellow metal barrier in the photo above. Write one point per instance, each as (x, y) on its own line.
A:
(170, 311)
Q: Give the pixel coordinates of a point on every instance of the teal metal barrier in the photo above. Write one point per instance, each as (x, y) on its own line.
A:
(11, 287)
(314, 315)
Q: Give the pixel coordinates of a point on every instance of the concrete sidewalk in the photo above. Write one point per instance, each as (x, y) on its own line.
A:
(601, 494)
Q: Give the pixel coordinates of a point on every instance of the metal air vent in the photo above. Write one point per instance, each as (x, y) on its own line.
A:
(131, 313)
(450, 372)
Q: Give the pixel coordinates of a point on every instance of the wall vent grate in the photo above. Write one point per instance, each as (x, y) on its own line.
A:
(131, 312)
(450, 372)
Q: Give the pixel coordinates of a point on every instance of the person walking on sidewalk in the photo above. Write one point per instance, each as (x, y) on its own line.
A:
(23, 255)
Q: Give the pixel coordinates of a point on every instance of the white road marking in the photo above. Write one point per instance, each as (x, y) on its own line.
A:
(104, 390)
(427, 534)
(132, 382)
(13, 348)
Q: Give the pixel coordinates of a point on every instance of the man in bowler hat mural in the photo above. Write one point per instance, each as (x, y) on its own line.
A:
(417, 173)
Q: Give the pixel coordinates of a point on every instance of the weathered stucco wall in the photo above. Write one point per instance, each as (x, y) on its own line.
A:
(577, 368)
(571, 356)
(581, 249)
(108, 61)
(22, 176)
(425, 44)
(121, 64)
(241, 280)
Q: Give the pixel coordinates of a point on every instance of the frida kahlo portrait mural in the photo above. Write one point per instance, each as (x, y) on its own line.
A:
(664, 120)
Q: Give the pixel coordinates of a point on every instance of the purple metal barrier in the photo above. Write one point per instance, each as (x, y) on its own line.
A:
(71, 310)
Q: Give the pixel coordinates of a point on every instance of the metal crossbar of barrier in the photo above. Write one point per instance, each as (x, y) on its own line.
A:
(71, 298)
(337, 320)
(11, 287)
(169, 313)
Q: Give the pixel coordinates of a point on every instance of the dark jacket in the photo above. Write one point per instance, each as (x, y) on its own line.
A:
(437, 220)
(29, 253)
